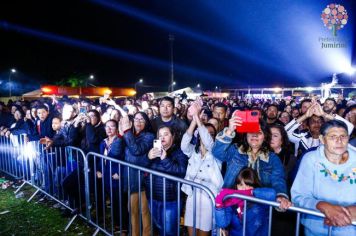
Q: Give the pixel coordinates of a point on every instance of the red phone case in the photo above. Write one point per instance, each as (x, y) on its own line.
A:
(250, 122)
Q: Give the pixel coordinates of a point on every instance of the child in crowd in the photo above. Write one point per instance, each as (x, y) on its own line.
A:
(229, 213)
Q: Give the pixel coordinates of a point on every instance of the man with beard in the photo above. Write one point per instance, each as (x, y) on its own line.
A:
(329, 106)
(272, 115)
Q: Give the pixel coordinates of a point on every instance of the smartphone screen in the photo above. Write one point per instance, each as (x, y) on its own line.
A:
(250, 121)
(82, 110)
(157, 144)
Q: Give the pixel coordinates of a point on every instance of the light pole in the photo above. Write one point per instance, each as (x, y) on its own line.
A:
(12, 71)
(91, 77)
(138, 82)
(171, 41)
(171, 86)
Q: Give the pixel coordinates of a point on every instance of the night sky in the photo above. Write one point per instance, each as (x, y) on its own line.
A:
(229, 44)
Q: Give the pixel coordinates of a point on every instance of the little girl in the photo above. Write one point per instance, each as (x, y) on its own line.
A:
(229, 213)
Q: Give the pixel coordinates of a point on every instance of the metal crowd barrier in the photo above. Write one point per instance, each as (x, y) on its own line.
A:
(57, 172)
(271, 204)
(69, 177)
(98, 208)
(11, 150)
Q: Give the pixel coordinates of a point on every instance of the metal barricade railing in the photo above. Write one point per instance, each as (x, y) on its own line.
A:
(104, 188)
(11, 151)
(57, 172)
(272, 204)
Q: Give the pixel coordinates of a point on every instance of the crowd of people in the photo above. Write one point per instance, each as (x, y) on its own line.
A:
(303, 154)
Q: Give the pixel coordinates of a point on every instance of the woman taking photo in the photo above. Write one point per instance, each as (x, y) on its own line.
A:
(254, 152)
(204, 169)
(138, 140)
(171, 160)
(326, 182)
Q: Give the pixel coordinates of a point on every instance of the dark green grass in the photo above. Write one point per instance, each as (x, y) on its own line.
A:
(35, 218)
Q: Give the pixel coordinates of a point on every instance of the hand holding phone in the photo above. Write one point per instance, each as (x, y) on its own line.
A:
(250, 121)
(82, 110)
(157, 144)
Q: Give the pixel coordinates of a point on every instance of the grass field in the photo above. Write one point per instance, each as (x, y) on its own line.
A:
(34, 218)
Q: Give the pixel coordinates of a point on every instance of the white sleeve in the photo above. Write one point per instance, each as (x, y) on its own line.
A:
(206, 138)
(350, 126)
(290, 128)
(185, 145)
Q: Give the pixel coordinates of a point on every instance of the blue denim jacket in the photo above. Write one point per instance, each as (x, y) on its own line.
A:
(269, 167)
(256, 215)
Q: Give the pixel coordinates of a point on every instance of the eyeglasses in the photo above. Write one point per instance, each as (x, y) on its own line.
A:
(139, 120)
(342, 138)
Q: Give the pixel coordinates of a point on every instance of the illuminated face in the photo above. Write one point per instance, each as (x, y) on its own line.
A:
(166, 109)
(139, 123)
(56, 124)
(276, 139)
(219, 113)
(166, 137)
(255, 140)
(42, 114)
(68, 112)
(110, 129)
(335, 140)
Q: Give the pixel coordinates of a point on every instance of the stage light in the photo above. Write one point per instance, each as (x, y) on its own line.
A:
(13, 70)
(91, 77)
(107, 91)
(350, 70)
(309, 89)
(46, 90)
(277, 89)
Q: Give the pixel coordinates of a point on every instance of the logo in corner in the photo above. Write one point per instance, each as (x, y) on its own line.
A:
(334, 17)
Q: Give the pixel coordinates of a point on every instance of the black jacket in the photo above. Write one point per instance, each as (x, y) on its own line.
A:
(45, 129)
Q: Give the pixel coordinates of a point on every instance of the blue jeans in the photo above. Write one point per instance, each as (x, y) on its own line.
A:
(171, 215)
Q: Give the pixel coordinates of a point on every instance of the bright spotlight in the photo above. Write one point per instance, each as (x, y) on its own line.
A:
(13, 70)
(350, 70)
(91, 77)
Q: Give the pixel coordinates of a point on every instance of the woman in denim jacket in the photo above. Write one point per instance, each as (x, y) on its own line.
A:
(255, 153)
(229, 213)
(112, 147)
